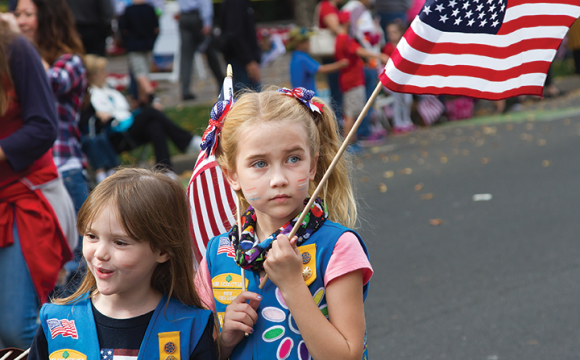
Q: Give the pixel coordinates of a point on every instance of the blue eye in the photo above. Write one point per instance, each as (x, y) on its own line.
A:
(293, 159)
(259, 164)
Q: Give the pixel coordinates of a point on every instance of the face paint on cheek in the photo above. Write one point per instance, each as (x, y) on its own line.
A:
(252, 194)
(302, 184)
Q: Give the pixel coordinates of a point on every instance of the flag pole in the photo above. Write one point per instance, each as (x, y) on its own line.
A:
(337, 157)
(21, 356)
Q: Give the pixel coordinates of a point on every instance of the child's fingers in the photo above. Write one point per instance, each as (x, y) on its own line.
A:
(294, 245)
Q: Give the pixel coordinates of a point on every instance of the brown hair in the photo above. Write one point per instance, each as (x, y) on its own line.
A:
(323, 134)
(151, 207)
(56, 34)
(6, 37)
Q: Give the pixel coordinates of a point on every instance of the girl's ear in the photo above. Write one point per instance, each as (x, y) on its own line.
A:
(232, 178)
(163, 257)
(313, 167)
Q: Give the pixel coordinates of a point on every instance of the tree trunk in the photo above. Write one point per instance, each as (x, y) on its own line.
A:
(304, 11)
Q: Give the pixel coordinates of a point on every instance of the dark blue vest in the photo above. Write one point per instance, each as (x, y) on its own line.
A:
(276, 334)
(173, 332)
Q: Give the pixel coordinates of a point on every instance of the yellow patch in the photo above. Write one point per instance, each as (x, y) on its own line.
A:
(169, 346)
(221, 316)
(67, 354)
(226, 287)
(308, 263)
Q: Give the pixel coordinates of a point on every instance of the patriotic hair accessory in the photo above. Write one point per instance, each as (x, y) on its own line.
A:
(216, 122)
(304, 96)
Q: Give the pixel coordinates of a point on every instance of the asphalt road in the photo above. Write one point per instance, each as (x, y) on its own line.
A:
(462, 279)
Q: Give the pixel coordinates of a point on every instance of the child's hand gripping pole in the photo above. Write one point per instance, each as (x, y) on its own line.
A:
(345, 144)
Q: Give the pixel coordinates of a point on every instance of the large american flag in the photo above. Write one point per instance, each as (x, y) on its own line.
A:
(62, 327)
(490, 49)
(211, 198)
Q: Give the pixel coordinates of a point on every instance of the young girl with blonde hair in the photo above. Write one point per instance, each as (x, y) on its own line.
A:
(138, 298)
(274, 148)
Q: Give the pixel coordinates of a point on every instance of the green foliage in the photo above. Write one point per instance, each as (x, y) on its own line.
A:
(562, 68)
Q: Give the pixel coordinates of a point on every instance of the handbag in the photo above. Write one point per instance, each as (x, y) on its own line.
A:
(322, 43)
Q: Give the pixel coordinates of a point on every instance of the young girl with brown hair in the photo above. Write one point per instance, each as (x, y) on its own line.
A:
(275, 147)
(137, 299)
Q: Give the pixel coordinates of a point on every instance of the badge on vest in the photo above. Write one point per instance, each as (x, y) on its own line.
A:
(221, 316)
(62, 327)
(169, 348)
(67, 354)
(308, 263)
(226, 287)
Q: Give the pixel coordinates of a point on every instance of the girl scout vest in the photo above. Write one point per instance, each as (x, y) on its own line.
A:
(276, 335)
(172, 333)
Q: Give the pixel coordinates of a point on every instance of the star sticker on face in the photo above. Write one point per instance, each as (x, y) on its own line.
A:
(443, 18)
(427, 10)
(440, 7)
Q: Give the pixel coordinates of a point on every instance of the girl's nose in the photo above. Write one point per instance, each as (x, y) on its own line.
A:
(278, 178)
(102, 251)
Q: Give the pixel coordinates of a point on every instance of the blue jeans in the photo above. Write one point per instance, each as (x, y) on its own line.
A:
(18, 299)
(100, 152)
(371, 82)
(335, 92)
(241, 79)
(76, 185)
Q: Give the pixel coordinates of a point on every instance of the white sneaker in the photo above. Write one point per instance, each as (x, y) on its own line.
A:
(194, 145)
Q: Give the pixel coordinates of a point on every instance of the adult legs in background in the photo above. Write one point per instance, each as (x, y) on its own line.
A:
(151, 125)
(190, 26)
(241, 79)
(402, 112)
(215, 64)
(364, 129)
(18, 300)
(335, 92)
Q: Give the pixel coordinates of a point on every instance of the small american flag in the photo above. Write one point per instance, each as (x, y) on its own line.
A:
(119, 354)
(491, 49)
(430, 108)
(62, 327)
(226, 247)
(211, 198)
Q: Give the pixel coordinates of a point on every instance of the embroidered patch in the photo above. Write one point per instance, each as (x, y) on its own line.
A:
(306, 273)
(226, 287)
(280, 298)
(67, 354)
(303, 353)
(62, 327)
(292, 325)
(274, 333)
(273, 314)
(169, 345)
(306, 258)
(225, 247)
(285, 349)
(318, 295)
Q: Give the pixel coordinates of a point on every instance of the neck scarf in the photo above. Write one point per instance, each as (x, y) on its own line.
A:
(251, 253)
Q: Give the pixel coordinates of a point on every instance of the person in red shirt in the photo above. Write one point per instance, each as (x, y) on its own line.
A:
(352, 78)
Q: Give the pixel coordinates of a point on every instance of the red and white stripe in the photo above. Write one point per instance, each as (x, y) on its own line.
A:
(212, 203)
(513, 62)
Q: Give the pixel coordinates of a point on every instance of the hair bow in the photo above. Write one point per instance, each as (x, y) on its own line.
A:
(216, 122)
(304, 96)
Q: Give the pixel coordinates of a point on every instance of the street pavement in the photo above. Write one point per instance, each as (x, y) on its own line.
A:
(462, 279)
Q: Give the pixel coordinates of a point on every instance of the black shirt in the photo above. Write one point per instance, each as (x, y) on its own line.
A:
(124, 337)
(139, 27)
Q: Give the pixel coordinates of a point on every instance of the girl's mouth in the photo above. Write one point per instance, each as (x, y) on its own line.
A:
(280, 198)
(103, 273)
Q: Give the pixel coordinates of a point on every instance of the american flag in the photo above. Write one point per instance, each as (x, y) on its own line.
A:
(490, 49)
(119, 354)
(430, 108)
(211, 199)
(226, 247)
(62, 327)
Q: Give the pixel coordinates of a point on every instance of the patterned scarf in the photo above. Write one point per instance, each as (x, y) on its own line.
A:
(251, 253)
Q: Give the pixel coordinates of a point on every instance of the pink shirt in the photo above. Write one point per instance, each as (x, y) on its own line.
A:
(348, 256)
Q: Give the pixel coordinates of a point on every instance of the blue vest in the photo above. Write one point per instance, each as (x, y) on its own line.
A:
(173, 332)
(275, 332)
